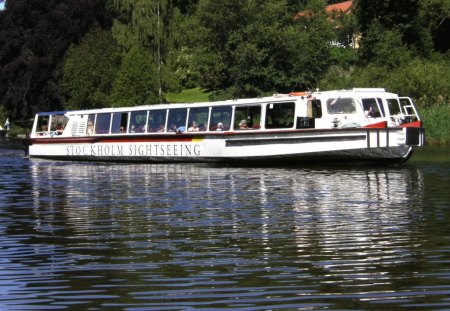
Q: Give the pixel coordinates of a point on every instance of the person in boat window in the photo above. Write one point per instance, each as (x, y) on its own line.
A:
(59, 128)
(90, 127)
(243, 125)
(219, 126)
(370, 113)
(172, 128)
(193, 127)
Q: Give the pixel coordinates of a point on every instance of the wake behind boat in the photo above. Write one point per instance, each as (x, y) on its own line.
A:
(343, 125)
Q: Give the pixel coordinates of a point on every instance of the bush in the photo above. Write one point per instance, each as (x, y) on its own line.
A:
(437, 123)
(426, 81)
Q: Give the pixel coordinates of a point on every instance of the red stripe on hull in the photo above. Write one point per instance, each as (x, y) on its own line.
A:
(412, 124)
(379, 125)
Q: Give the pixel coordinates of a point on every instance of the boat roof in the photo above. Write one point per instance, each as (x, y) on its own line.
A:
(274, 98)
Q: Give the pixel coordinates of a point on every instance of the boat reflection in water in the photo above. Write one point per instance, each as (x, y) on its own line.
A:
(200, 236)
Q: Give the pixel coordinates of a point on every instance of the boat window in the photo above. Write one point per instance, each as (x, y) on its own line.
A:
(408, 109)
(314, 108)
(157, 120)
(58, 123)
(138, 119)
(220, 118)
(177, 120)
(341, 105)
(394, 106)
(119, 122)
(407, 106)
(280, 115)
(42, 125)
(247, 117)
(102, 123)
(200, 117)
(90, 124)
(371, 108)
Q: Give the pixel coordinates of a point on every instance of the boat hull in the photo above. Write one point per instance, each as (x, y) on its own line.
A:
(391, 145)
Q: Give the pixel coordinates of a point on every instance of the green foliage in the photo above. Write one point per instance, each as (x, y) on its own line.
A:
(148, 25)
(34, 36)
(250, 48)
(434, 23)
(136, 81)
(437, 123)
(89, 71)
(3, 115)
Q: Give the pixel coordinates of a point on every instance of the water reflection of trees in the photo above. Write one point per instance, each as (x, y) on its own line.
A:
(347, 224)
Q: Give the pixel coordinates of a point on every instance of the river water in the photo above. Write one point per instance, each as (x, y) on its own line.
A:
(97, 236)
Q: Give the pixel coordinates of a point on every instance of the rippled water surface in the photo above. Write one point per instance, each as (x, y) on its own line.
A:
(96, 236)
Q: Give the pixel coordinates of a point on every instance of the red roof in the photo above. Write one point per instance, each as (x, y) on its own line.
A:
(342, 7)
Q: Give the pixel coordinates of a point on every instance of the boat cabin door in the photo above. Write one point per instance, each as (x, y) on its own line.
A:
(313, 112)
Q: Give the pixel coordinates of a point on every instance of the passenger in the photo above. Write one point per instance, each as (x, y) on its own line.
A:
(172, 128)
(180, 129)
(243, 125)
(44, 130)
(193, 127)
(59, 129)
(90, 127)
(219, 126)
(160, 128)
(370, 113)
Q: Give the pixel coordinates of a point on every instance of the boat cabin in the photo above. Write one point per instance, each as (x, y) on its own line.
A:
(281, 112)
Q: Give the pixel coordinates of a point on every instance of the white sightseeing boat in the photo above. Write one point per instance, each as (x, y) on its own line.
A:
(367, 124)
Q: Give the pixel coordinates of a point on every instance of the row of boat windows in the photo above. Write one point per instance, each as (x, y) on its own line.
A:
(217, 118)
(373, 107)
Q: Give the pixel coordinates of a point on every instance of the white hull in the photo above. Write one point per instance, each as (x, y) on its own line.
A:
(387, 145)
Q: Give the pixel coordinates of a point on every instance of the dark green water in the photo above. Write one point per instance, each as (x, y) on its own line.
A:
(83, 236)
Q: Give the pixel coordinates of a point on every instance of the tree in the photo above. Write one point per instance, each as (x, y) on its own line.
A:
(136, 81)
(416, 21)
(34, 35)
(89, 70)
(146, 25)
(433, 24)
(256, 47)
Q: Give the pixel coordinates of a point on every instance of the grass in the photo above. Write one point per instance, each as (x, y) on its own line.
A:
(188, 96)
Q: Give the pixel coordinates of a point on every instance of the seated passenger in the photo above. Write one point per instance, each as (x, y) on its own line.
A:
(243, 125)
(370, 113)
(193, 127)
(160, 128)
(219, 126)
(59, 128)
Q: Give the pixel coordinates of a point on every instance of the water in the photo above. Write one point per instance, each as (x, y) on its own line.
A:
(95, 236)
